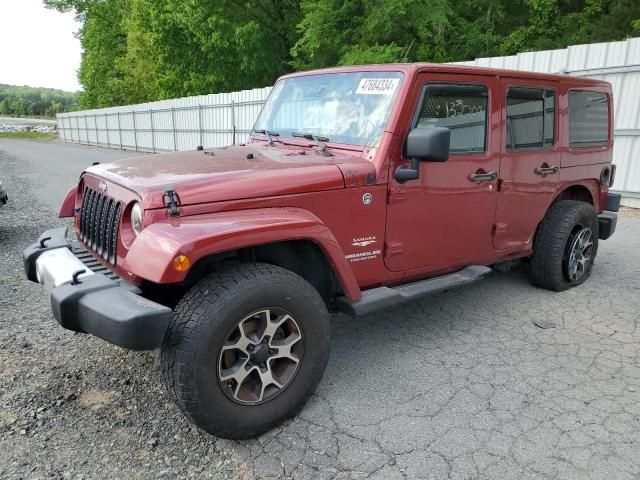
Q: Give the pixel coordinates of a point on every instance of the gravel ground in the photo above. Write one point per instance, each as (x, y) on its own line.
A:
(464, 384)
(626, 212)
(72, 406)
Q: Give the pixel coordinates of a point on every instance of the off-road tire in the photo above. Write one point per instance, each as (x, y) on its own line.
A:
(550, 248)
(199, 326)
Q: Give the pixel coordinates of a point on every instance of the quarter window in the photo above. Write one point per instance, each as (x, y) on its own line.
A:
(462, 109)
(531, 118)
(588, 119)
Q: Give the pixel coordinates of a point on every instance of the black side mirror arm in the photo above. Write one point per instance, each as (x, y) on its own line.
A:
(404, 173)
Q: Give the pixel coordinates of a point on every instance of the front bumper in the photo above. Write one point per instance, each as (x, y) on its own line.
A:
(84, 299)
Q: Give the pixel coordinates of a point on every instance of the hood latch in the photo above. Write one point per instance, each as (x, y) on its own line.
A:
(171, 201)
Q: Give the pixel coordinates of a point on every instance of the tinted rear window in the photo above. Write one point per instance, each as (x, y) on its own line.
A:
(530, 118)
(588, 118)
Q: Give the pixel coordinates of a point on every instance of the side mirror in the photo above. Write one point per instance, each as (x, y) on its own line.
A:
(424, 145)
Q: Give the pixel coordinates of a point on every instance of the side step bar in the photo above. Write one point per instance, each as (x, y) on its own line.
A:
(382, 297)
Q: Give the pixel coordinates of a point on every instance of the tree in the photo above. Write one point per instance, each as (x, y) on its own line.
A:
(209, 46)
(143, 50)
(137, 68)
(103, 38)
(41, 102)
(354, 32)
(559, 23)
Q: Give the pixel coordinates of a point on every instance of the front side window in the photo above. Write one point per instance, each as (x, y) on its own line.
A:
(530, 118)
(588, 118)
(462, 109)
(349, 108)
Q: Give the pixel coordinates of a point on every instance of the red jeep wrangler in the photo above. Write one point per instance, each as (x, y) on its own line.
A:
(360, 188)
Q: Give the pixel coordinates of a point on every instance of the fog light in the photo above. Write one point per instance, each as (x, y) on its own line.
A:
(181, 263)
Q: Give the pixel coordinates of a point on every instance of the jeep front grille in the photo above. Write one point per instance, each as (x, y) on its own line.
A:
(99, 220)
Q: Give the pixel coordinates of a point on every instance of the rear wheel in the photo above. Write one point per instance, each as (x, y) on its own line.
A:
(565, 246)
(245, 349)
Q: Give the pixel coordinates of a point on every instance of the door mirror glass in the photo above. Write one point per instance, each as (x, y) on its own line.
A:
(428, 144)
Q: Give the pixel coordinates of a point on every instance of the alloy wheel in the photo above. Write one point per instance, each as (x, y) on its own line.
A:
(579, 254)
(260, 356)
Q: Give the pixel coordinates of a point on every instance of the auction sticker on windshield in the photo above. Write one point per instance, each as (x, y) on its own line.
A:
(377, 86)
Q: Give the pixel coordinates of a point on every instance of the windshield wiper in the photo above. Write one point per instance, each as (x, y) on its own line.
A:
(319, 141)
(269, 135)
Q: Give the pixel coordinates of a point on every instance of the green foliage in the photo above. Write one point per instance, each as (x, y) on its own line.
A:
(143, 50)
(39, 102)
(559, 23)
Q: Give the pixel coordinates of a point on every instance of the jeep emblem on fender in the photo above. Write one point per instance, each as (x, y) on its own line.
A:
(367, 198)
(102, 186)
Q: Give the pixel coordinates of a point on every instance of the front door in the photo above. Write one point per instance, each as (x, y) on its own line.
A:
(445, 218)
(530, 165)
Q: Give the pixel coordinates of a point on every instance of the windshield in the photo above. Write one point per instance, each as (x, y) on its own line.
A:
(349, 108)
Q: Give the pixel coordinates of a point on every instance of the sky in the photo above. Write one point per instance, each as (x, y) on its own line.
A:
(37, 46)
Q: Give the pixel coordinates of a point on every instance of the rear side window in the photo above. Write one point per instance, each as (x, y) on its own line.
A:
(462, 109)
(588, 118)
(531, 118)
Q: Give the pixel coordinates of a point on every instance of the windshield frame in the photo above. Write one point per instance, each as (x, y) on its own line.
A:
(373, 142)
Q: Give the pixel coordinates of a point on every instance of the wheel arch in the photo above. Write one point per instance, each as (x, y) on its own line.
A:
(303, 257)
(587, 192)
(577, 191)
(292, 238)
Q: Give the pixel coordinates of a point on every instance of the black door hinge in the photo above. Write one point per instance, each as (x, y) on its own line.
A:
(171, 201)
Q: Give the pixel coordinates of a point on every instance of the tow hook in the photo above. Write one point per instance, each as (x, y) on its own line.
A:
(74, 277)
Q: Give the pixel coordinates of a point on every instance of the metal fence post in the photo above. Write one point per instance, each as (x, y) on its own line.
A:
(86, 129)
(200, 141)
(95, 128)
(153, 136)
(78, 128)
(106, 129)
(135, 132)
(233, 121)
(119, 130)
(173, 128)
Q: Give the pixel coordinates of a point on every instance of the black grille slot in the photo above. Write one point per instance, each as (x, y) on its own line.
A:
(99, 220)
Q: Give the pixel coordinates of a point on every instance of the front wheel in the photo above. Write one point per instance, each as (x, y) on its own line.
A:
(245, 349)
(565, 246)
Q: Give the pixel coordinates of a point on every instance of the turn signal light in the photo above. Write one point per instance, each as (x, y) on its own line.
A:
(181, 263)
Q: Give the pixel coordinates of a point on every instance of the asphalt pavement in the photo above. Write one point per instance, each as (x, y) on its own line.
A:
(463, 384)
(54, 167)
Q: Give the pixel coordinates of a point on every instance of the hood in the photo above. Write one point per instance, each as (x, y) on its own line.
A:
(230, 173)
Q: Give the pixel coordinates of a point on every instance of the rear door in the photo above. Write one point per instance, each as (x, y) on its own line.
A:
(530, 163)
(445, 218)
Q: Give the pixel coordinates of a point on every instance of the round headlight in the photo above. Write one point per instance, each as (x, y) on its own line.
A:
(136, 218)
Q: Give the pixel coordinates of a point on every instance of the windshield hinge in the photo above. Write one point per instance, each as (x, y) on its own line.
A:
(171, 201)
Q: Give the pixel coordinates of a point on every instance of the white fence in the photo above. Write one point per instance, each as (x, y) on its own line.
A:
(225, 119)
(167, 125)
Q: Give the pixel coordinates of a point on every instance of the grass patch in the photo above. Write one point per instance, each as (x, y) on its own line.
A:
(31, 135)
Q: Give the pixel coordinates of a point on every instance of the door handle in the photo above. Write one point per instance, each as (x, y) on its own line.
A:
(546, 170)
(482, 177)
